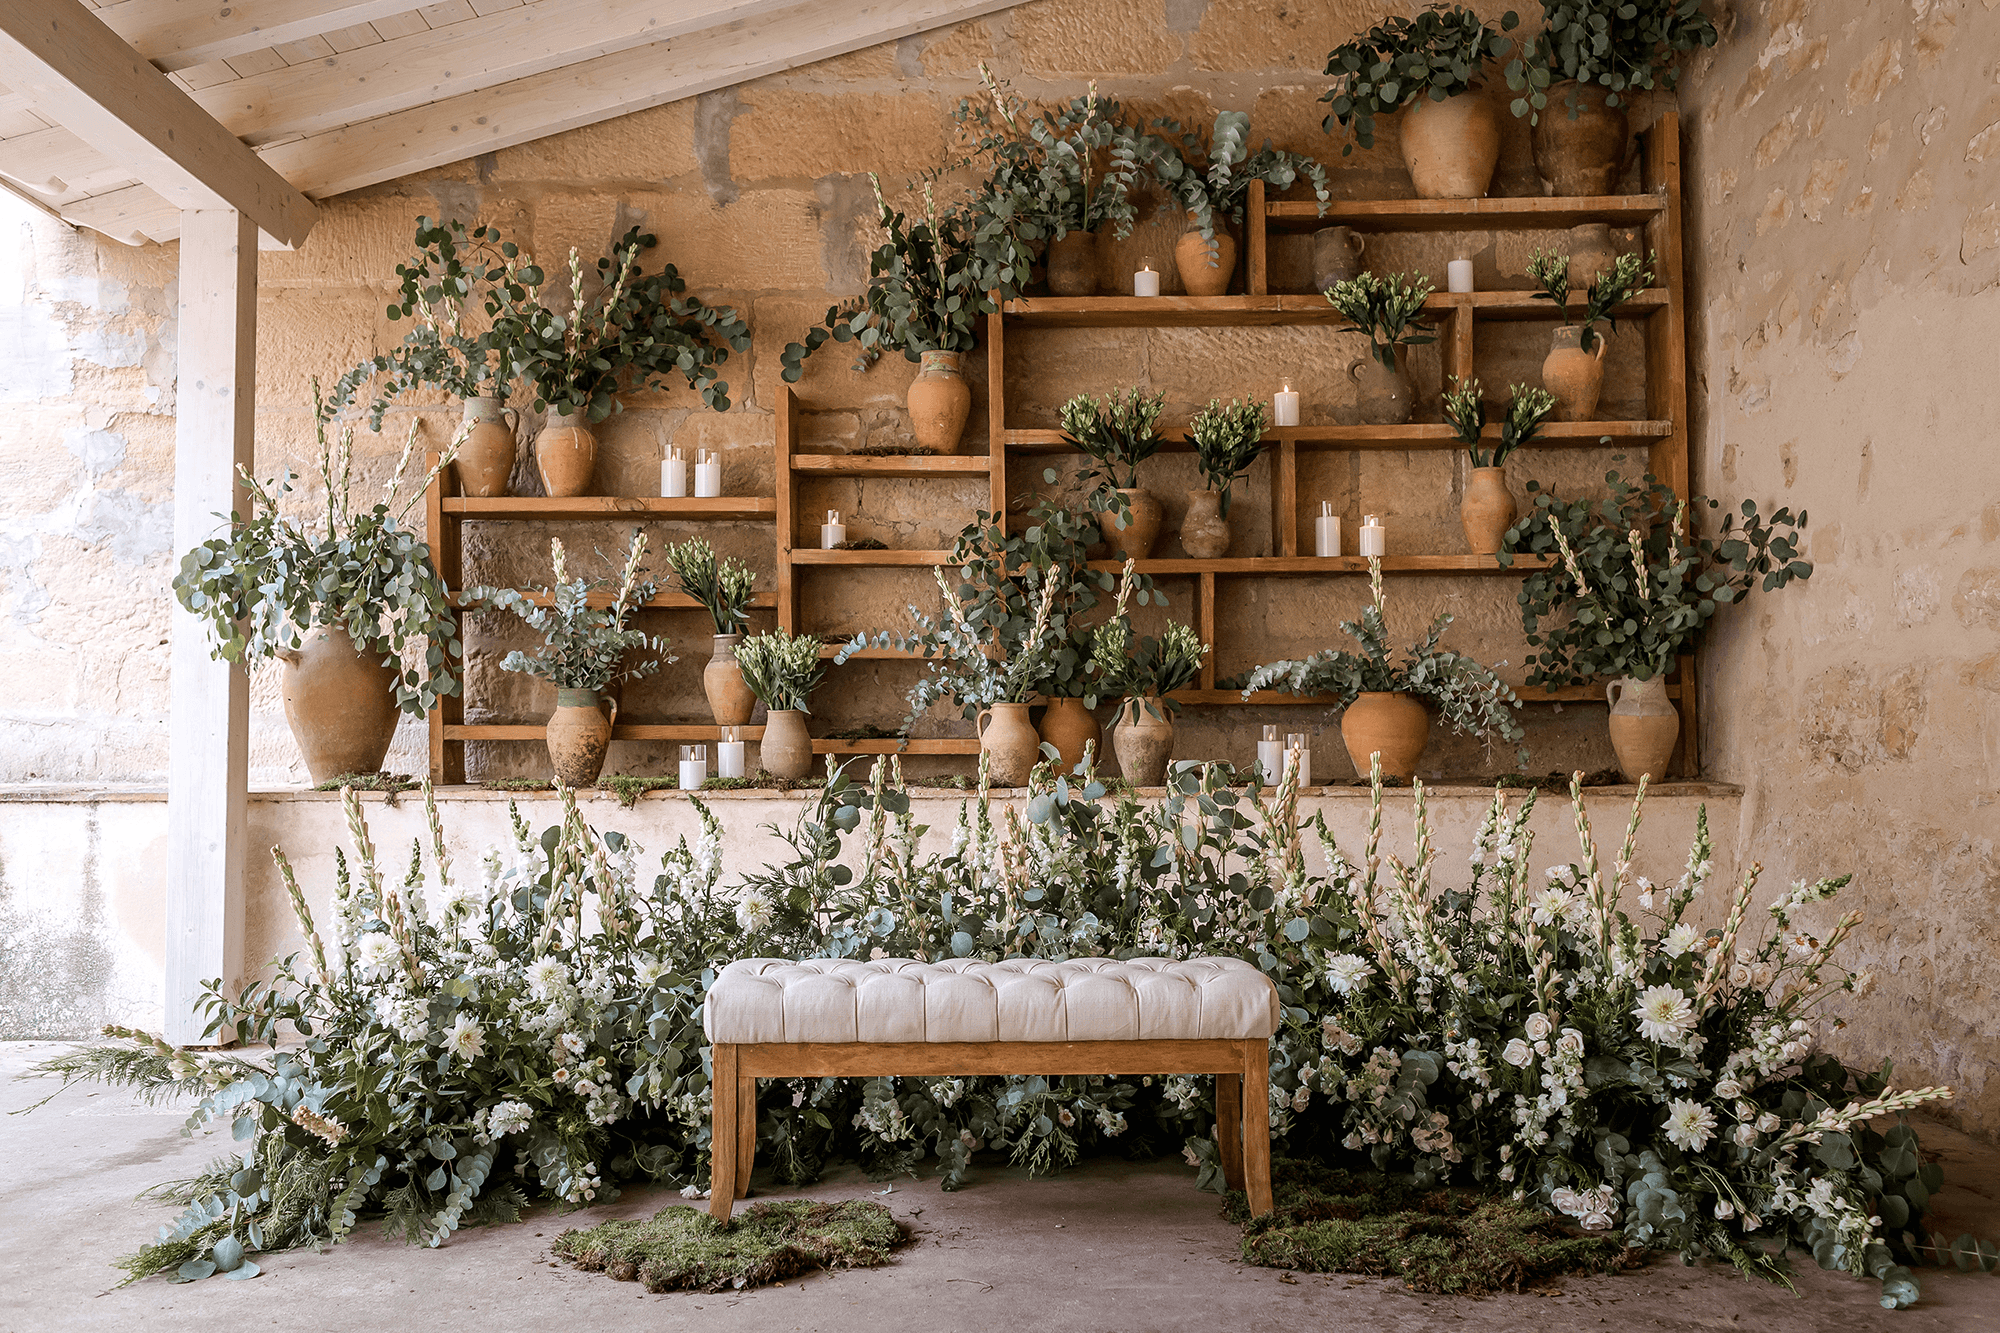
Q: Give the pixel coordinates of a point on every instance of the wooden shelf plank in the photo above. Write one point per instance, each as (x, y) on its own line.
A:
(1295, 565)
(1526, 213)
(901, 465)
(892, 745)
(666, 601)
(830, 650)
(1428, 435)
(870, 559)
(600, 507)
(624, 731)
(1568, 694)
(1101, 312)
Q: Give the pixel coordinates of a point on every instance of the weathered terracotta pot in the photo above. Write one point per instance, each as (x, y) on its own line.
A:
(1394, 724)
(340, 702)
(1009, 743)
(1133, 539)
(787, 749)
(939, 400)
(579, 735)
(1645, 727)
(1205, 269)
(1591, 252)
(729, 699)
(1383, 396)
(1337, 255)
(1144, 739)
(1069, 726)
(566, 455)
(486, 457)
(1073, 264)
(1487, 510)
(1574, 376)
(1451, 147)
(1204, 531)
(1584, 155)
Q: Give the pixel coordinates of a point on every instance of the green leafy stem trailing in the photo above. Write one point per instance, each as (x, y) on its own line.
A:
(1609, 288)
(584, 647)
(1465, 409)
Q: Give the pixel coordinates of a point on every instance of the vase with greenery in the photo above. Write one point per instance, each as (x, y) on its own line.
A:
(1227, 439)
(1118, 432)
(584, 651)
(1574, 369)
(723, 588)
(1141, 674)
(1488, 508)
(1382, 700)
(339, 598)
(782, 669)
(1433, 65)
(1389, 311)
(1208, 177)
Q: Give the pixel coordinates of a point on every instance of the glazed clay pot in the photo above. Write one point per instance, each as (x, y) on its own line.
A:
(486, 457)
(1451, 147)
(1394, 724)
(1068, 725)
(939, 400)
(1009, 743)
(1487, 510)
(1144, 739)
(729, 699)
(1337, 255)
(1574, 376)
(1584, 154)
(1204, 531)
(786, 750)
(579, 735)
(1591, 252)
(1644, 727)
(1133, 539)
(1383, 396)
(566, 455)
(1205, 269)
(1073, 264)
(341, 704)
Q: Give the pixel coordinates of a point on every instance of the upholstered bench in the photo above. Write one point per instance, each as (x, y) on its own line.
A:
(841, 1018)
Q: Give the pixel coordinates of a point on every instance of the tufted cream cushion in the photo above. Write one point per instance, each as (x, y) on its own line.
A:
(1021, 999)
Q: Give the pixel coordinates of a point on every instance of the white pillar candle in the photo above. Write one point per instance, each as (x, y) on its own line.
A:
(1296, 745)
(1285, 406)
(674, 475)
(832, 532)
(694, 767)
(708, 474)
(1458, 275)
(1146, 282)
(729, 755)
(1374, 538)
(1270, 757)
(1326, 531)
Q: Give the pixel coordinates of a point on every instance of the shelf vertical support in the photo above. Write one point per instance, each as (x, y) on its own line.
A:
(1259, 283)
(996, 412)
(1666, 371)
(1205, 618)
(1285, 498)
(785, 442)
(447, 758)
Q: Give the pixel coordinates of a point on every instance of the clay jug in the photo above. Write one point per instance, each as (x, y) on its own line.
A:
(1336, 256)
(1132, 538)
(340, 702)
(1574, 376)
(1644, 727)
(1068, 725)
(579, 735)
(566, 455)
(1582, 154)
(1073, 264)
(1205, 268)
(729, 699)
(786, 750)
(1591, 252)
(1487, 510)
(1009, 743)
(486, 456)
(1451, 147)
(1144, 739)
(1384, 397)
(1394, 724)
(939, 400)
(1204, 531)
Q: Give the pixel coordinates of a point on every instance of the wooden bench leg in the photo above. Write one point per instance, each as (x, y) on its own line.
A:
(746, 1133)
(1229, 1127)
(723, 1133)
(1257, 1126)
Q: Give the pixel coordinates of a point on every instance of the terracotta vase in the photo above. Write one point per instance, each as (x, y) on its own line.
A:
(1451, 147)
(1204, 531)
(1205, 268)
(1073, 264)
(1383, 396)
(340, 703)
(1009, 743)
(939, 400)
(1582, 154)
(1133, 538)
(786, 750)
(566, 455)
(486, 457)
(1591, 252)
(1644, 727)
(1069, 726)
(579, 735)
(729, 699)
(1396, 725)
(1487, 510)
(1144, 739)
(1574, 376)
(1337, 255)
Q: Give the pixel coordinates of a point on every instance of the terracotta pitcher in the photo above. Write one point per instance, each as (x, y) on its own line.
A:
(1132, 538)
(1073, 264)
(566, 454)
(1144, 739)
(1009, 743)
(1384, 397)
(1644, 727)
(729, 698)
(1068, 725)
(1204, 531)
(579, 735)
(1584, 154)
(1451, 147)
(939, 400)
(340, 703)
(786, 750)
(1396, 725)
(486, 457)
(1591, 252)
(1574, 376)
(1337, 255)
(1205, 268)
(1487, 510)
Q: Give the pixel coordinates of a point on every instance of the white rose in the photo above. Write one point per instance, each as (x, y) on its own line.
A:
(1516, 1053)
(1538, 1026)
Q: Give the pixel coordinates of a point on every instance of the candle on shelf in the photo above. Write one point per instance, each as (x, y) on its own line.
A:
(1146, 282)
(1285, 406)
(1374, 537)
(729, 754)
(1326, 531)
(1296, 745)
(694, 767)
(1270, 757)
(1458, 275)
(674, 474)
(832, 532)
(707, 473)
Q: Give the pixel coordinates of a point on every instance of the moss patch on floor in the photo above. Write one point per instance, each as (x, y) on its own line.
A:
(683, 1249)
(1448, 1241)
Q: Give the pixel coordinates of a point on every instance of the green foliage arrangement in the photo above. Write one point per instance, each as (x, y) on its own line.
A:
(1210, 177)
(270, 578)
(1620, 44)
(1610, 288)
(724, 587)
(1472, 700)
(1119, 432)
(1227, 440)
(1387, 309)
(1143, 671)
(1633, 588)
(781, 668)
(1465, 409)
(583, 647)
(1440, 53)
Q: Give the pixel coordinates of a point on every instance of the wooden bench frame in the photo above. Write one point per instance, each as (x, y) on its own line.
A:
(1241, 1069)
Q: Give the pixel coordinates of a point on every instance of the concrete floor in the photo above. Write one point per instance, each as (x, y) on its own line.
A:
(1107, 1247)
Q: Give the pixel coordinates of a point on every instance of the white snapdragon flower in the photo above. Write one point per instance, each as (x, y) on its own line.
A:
(376, 955)
(1679, 940)
(1665, 1014)
(509, 1117)
(1517, 1053)
(1348, 972)
(466, 1038)
(1690, 1125)
(1645, 891)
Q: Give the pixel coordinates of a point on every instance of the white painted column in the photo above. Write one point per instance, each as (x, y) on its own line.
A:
(208, 764)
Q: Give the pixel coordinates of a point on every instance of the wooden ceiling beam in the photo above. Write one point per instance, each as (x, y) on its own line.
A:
(179, 34)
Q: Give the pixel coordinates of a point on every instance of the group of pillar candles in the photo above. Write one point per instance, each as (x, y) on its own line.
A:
(728, 760)
(707, 474)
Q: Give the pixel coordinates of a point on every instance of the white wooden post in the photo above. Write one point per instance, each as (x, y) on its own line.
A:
(208, 762)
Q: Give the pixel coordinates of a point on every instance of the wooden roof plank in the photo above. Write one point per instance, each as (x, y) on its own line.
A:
(176, 35)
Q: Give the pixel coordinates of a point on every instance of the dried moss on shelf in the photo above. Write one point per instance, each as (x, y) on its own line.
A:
(388, 783)
(681, 1249)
